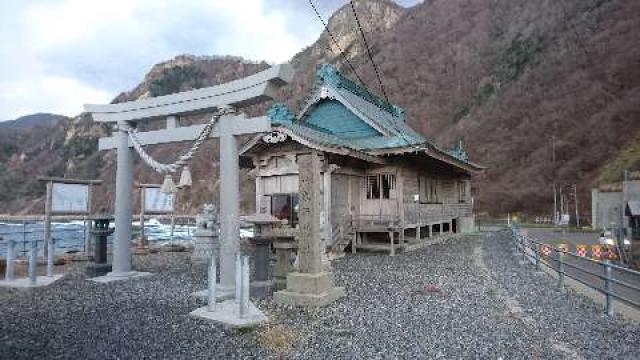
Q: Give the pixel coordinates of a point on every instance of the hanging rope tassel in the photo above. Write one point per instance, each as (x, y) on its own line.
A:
(185, 178)
(168, 186)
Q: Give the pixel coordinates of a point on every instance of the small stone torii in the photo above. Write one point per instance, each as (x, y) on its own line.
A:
(236, 94)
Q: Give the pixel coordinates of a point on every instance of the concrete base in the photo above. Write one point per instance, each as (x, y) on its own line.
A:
(95, 270)
(110, 277)
(261, 289)
(222, 293)
(309, 290)
(140, 250)
(227, 313)
(26, 283)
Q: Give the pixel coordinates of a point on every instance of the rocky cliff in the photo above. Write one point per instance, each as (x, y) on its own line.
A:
(541, 92)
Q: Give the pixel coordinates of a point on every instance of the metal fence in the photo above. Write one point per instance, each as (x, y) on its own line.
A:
(612, 280)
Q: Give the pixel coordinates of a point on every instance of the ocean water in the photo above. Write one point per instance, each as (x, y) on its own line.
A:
(69, 236)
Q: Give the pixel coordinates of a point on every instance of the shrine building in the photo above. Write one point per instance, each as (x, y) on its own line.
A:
(384, 186)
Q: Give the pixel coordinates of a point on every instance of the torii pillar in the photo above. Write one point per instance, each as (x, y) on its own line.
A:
(236, 94)
(121, 263)
(229, 207)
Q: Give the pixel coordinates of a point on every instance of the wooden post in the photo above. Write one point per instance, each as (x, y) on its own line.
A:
(87, 222)
(259, 192)
(354, 243)
(392, 250)
(47, 218)
(143, 240)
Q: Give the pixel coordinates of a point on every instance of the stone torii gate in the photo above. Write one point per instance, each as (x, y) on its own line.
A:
(236, 94)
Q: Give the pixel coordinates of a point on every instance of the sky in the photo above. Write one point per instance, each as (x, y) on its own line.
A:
(56, 55)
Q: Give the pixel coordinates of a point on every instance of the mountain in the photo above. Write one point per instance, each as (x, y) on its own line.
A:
(30, 121)
(540, 91)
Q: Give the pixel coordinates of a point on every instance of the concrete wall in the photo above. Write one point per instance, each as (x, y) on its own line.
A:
(466, 224)
(608, 208)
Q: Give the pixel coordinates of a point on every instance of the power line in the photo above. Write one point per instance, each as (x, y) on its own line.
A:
(375, 68)
(366, 45)
(395, 127)
(326, 27)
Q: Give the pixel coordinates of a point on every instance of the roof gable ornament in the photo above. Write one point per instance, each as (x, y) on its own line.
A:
(274, 137)
(324, 93)
(459, 152)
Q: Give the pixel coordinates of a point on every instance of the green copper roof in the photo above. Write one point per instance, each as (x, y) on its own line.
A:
(335, 118)
(341, 113)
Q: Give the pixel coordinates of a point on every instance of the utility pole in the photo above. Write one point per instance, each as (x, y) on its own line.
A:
(556, 219)
(561, 202)
(555, 205)
(575, 195)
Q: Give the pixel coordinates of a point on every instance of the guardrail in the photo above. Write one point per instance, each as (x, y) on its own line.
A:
(566, 264)
(23, 231)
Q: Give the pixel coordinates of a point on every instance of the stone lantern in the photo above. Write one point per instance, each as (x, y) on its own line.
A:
(206, 234)
(262, 285)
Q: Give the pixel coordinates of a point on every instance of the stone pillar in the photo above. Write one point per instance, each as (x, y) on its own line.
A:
(309, 249)
(285, 248)
(311, 286)
(229, 206)
(123, 204)
(326, 204)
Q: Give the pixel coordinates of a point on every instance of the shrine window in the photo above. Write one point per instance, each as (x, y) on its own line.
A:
(381, 186)
(285, 207)
(428, 190)
(462, 191)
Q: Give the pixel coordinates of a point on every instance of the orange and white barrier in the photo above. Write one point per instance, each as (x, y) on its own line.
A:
(545, 250)
(611, 252)
(596, 251)
(581, 250)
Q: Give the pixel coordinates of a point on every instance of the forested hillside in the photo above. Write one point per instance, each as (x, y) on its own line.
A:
(522, 82)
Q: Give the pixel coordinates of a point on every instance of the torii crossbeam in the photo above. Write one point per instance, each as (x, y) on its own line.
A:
(250, 90)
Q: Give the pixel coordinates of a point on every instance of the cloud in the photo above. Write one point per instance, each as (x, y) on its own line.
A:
(57, 54)
(53, 94)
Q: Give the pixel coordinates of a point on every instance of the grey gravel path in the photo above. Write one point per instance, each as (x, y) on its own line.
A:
(445, 301)
(562, 315)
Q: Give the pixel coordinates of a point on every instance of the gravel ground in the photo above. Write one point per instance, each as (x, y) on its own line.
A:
(563, 316)
(445, 301)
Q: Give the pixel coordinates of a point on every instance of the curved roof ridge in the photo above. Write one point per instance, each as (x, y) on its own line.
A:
(330, 75)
